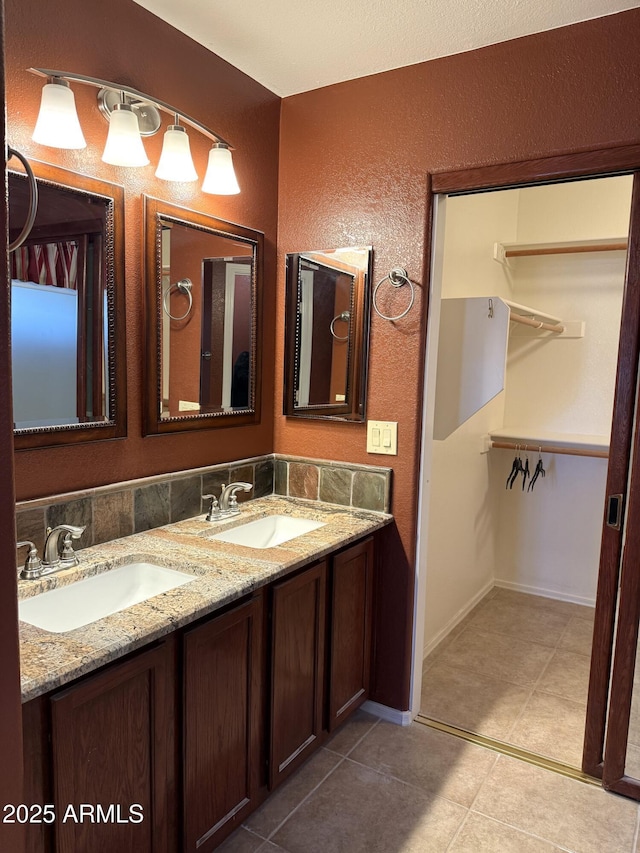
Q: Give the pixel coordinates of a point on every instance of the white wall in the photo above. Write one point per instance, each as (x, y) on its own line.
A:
(549, 540)
(546, 541)
(460, 548)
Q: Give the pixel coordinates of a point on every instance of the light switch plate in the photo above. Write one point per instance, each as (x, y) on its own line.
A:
(382, 437)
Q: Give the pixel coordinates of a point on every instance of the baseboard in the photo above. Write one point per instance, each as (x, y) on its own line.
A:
(455, 620)
(390, 715)
(545, 593)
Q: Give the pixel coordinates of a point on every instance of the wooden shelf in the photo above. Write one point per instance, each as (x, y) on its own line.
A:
(503, 252)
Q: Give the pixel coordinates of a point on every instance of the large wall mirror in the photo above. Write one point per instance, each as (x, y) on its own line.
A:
(67, 310)
(203, 285)
(327, 333)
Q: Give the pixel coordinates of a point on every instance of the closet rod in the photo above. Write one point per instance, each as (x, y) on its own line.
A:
(550, 448)
(537, 324)
(565, 250)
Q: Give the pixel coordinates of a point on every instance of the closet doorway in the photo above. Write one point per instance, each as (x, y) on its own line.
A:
(509, 564)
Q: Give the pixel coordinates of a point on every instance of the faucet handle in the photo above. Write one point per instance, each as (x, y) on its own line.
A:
(214, 507)
(33, 563)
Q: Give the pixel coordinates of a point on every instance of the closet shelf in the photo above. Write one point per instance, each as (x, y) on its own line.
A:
(502, 252)
(571, 444)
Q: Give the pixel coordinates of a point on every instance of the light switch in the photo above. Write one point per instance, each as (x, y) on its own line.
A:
(382, 437)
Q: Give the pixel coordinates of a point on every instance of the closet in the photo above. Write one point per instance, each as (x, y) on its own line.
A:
(527, 294)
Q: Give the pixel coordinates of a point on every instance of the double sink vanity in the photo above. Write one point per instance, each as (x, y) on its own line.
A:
(182, 673)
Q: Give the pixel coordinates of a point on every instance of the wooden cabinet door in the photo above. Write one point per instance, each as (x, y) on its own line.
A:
(297, 669)
(221, 724)
(112, 747)
(350, 630)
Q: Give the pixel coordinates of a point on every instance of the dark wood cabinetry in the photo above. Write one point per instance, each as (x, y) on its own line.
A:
(222, 724)
(351, 592)
(191, 732)
(113, 759)
(297, 669)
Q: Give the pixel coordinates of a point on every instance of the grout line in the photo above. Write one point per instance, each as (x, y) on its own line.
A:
(634, 844)
(343, 758)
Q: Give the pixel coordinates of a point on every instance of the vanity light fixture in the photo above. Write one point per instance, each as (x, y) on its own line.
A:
(57, 123)
(131, 115)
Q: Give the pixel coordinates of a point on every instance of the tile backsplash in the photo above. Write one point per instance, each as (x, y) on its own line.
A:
(109, 512)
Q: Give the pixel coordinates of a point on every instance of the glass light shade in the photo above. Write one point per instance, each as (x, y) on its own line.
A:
(220, 178)
(57, 125)
(176, 163)
(124, 144)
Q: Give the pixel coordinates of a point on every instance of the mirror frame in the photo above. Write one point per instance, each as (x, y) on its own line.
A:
(156, 210)
(355, 406)
(116, 426)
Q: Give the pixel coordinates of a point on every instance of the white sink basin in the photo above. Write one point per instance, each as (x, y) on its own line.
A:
(268, 532)
(93, 598)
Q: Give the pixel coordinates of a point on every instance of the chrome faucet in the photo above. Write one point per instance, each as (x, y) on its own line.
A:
(228, 503)
(58, 552)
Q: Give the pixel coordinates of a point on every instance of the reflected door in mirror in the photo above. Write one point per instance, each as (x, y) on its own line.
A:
(327, 334)
(203, 289)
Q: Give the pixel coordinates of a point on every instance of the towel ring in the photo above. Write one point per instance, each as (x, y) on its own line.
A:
(396, 278)
(184, 286)
(346, 317)
(33, 201)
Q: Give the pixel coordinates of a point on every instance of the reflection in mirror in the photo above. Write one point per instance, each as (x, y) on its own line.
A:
(202, 278)
(327, 333)
(65, 285)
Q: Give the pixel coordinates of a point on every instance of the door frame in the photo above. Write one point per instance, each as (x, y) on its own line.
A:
(566, 167)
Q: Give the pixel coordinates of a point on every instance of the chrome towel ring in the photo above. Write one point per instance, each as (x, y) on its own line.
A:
(345, 317)
(33, 200)
(184, 286)
(396, 278)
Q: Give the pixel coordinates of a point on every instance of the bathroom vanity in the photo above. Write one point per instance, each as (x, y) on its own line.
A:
(178, 715)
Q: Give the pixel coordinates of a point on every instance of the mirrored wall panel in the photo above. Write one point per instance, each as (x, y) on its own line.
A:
(202, 319)
(328, 300)
(67, 310)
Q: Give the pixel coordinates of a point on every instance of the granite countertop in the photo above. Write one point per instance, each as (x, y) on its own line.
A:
(223, 572)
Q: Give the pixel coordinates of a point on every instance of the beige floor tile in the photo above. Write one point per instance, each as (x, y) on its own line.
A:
(567, 675)
(551, 726)
(578, 636)
(241, 841)
(498, 656)
(472, 700)
(357, 810)
(483, 835)
(269, 847)
(351, 732)
(435, 762)
(576, 816)
(291, 793)
(551, 604)
(531, 623)
(632, 763)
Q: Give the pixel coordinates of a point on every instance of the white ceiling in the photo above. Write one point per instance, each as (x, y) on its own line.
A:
(293, 46)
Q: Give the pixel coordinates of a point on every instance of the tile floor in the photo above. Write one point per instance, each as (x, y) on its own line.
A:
(380, 788)
(517, 670)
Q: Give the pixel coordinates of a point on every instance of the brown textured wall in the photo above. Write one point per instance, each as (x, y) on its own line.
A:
(362, 177)
(122, 42)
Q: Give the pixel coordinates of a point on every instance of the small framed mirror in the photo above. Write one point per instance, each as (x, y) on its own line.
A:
(203, 291)
(67, 310)
(328, 296)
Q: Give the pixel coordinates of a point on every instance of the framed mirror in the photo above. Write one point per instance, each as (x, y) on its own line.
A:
(328, 296)
(203, 289)
(67, 310)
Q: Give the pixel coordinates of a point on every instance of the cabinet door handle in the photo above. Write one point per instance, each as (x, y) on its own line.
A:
(614, 511)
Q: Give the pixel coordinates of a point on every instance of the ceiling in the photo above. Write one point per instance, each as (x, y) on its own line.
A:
(293, 46)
